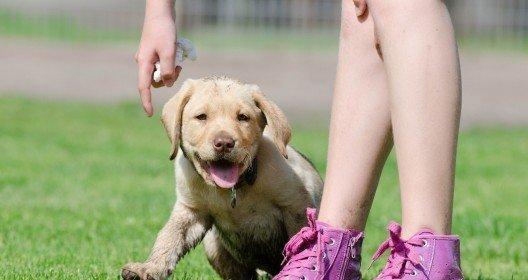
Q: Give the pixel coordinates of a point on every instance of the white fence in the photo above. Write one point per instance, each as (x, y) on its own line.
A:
(492, 20)
(288, 14)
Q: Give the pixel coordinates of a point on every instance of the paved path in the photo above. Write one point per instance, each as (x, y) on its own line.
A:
(495, 86)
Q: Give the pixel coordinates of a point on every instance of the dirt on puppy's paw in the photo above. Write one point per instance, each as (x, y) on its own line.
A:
(143, 271)
(133, 271)
(129, 275)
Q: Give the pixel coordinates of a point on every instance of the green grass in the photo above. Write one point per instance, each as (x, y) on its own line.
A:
(57, 28)
(85, 188)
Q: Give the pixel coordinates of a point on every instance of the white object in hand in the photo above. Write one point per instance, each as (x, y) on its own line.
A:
(184, 49)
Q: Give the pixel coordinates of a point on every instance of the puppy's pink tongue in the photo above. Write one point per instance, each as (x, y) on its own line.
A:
(224, 175)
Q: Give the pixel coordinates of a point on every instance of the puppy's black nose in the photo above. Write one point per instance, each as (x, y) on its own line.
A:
(223, 144)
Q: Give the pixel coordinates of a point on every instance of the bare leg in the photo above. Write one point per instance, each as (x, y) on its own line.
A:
(421, 59)
(360, 137)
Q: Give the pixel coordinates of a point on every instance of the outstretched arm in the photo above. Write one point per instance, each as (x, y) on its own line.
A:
(158, 43)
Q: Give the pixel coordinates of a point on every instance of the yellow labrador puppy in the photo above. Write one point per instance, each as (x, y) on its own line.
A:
(240, 187)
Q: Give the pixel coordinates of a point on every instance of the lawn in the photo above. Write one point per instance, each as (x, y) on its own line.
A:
(85, 188)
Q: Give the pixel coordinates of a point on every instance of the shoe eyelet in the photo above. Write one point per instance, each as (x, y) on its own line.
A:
(332, 241)
(314, 268)
(426, 244)
(421, 258)
(324, 255)
(414, 273)
(303, 277)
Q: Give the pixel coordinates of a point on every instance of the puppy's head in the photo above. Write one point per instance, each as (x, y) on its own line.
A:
(218, 123)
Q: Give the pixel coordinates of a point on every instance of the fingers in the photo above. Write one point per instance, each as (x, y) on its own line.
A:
(361, 7)
(177, 71)
(167, 66)
(169, 74)
(157, 84)
(144, 81)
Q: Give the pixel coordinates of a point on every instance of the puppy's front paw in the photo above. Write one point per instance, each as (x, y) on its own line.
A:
(144, 271)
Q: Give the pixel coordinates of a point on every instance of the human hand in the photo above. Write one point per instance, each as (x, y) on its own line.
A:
(158, 43)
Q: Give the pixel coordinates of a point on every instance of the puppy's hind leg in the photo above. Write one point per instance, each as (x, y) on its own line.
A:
(223, 262)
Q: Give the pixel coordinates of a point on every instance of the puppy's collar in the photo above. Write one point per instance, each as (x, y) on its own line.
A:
(249, 176)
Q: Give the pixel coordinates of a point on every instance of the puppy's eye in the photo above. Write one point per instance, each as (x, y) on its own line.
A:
(201, 117)
(243, 117)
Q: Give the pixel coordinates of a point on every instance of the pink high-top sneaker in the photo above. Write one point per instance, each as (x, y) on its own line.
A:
(423, 256)
(322, 252)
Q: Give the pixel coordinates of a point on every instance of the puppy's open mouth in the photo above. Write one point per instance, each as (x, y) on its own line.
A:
(223, 172)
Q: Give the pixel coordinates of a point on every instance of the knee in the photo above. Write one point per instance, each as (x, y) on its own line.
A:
(388, 13)
(349, 21)
(355, 32)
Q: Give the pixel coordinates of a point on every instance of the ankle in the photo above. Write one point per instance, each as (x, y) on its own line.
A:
(341, 223)
(410, 229)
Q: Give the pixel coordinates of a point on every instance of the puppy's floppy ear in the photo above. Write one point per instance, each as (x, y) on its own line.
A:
(275, 119)
(171, 116)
